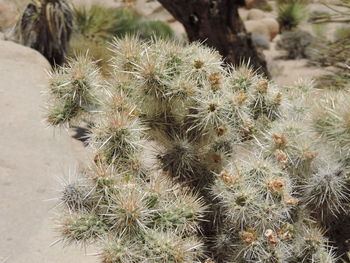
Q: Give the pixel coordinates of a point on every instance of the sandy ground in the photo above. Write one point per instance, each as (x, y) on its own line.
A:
(33, 158)
(287, 72)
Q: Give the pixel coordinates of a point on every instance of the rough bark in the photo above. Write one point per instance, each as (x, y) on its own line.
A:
(217, 23)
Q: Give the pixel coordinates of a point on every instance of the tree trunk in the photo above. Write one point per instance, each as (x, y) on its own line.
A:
(217, 23)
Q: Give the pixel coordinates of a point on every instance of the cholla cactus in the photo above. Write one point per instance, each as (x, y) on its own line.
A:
(73, 90)
(236, 172)
(331, 120)
(312, 246)
(325, 191)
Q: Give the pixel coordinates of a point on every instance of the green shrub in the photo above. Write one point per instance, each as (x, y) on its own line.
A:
(105, 23)
(96, 25)
(148, 28)
(96, 21)
(342, 32)
(290, 14)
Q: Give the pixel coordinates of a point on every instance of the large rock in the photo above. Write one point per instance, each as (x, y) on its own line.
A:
(243, 13)
(32, 159)
(267, 27)
(258, 28)
(147, 8)
(255, 14)
(272, 25)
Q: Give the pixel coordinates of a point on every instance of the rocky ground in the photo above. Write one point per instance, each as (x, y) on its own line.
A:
(35, 158)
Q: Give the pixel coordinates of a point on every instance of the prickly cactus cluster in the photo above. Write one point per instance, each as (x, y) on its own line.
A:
(195, 161)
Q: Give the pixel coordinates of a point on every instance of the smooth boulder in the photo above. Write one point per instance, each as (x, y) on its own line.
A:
(258, 28)
(255, 14)
(33, 160)
(272, 26)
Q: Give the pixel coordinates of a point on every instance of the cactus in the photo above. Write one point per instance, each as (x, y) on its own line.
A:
(73, 92)
(238, 171)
